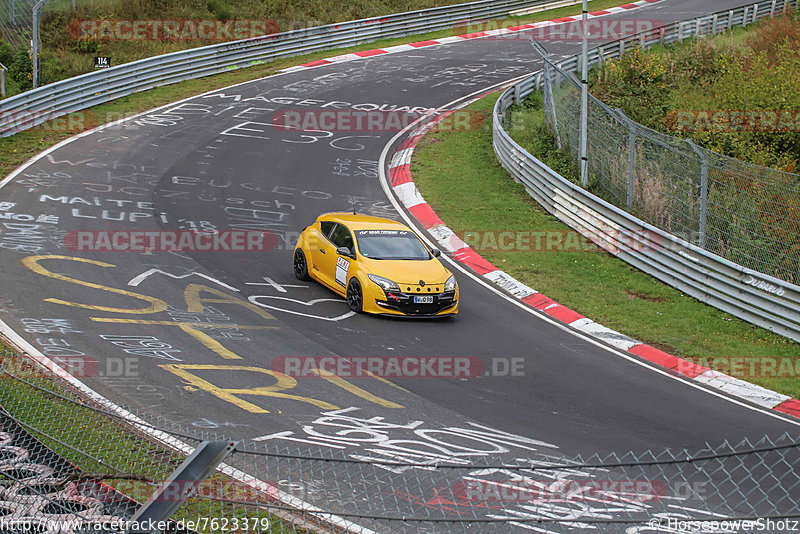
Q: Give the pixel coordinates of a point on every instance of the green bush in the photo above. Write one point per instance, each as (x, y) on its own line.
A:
(219, 9)
(6, 53)
(87, 46)
(20, 70)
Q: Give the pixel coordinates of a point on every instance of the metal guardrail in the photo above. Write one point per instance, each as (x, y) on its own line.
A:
(755, 297)
(33, 107)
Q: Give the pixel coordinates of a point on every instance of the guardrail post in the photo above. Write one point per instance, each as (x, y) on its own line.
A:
(730, 20)
(697, 27)
(714, 24)
(755, 12)
(701, 242)
(772, 10)
(182, 483)
(3, 70)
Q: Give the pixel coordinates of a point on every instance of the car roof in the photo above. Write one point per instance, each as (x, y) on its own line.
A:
(359, 221)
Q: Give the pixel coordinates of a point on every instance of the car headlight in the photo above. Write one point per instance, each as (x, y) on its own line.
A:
(385, 283)
(450, 285)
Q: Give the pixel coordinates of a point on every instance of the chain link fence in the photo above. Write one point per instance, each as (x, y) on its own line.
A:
(16, 22)
(743, 212)
(69, 463)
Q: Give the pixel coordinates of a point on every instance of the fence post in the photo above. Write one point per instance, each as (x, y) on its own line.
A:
(631, 164)
(549, 92)
(545, 77)
(183, 482)
(631, 126)
(35, 41)
(703, 192)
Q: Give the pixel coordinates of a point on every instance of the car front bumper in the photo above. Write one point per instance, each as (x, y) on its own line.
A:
(399, 303)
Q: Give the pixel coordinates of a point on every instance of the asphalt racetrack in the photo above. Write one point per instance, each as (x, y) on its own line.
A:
(216, 161)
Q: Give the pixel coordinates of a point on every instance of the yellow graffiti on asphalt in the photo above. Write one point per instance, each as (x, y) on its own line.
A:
(283, 382)
(33, 263)
(194, 302)
(355, 390)
(195, 296)
(193, 329)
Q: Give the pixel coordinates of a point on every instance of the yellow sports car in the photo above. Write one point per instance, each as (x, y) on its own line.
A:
(381, 266)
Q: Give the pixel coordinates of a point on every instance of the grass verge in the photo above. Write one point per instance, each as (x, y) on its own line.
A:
(458, 174)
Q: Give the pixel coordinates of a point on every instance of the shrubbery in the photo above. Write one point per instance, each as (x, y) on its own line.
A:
(20, 69)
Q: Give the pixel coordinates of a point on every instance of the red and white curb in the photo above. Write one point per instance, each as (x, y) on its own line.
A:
(402, 184)
(466, 37)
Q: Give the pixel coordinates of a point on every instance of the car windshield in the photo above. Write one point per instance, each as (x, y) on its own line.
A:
(391, 245)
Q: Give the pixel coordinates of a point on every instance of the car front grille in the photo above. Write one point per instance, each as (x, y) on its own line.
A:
(404, 302)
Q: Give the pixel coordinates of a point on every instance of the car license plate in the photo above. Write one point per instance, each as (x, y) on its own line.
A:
(423, 300)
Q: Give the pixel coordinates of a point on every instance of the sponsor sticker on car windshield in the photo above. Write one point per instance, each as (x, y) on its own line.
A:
(377, 233)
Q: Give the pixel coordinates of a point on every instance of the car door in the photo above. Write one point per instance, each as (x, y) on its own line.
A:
(341, 237)
(322, 251)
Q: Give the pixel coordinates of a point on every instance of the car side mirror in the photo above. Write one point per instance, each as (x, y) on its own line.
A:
(344, 251)
(436, 252)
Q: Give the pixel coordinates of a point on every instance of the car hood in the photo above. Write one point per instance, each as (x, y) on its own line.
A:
(409, 271)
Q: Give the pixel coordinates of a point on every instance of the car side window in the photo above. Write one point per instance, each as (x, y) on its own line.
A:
(341, 237)
(326, 227)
